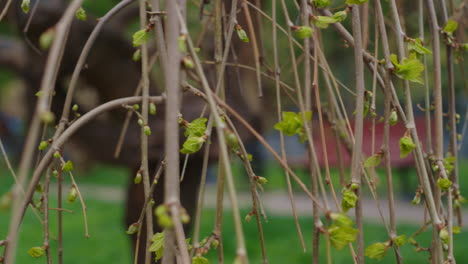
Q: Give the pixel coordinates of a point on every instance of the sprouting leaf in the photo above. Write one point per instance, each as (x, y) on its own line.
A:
(465, 46)
(292, 124)
(46, 38)
(140, 37)
(450, 27)
(456, 230)
(192, 145)
(323, 21)
(152, 109)
(261, 180)
(393, 118)
(406, 146)
(133, 228)
(400, 240)
(25, 6)
(231, 139)
(43, 145)
(200, 260)
(196, 128)
(349, 200)
(340, 236)
(417, 46)
(68, 166)
(136, 55)
(242, 34)
(182, 44)
(138, 178)
(341, 219)
(81, 14)
(355, 2)
(147, 130)
(340, 16)
(377, 250)
(321, 3)
(72, 194)
(373, 161)
(444, 235)
(157, 245)
(444, 184)
(303, 32)
(36, 252)
(409, 69)
(449, 162)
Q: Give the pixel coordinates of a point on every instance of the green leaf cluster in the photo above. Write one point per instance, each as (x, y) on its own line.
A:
(355, 2)
(303, 32)
(341, 232)
(377, 250)
(349, 200)
(406, 146)
(36, 252)
(195, 132)
(444, 183)
(25, 4)
(200, 260)
(324, 21)
(321, 3)
(409, 69)
(450, 27)
(416, 46)
(449, 163)
(399, 240)
(68, 166)
(81, 14)
(373, 161)
(292, 124)
(162, 215)
(157, 245)
(140, 37)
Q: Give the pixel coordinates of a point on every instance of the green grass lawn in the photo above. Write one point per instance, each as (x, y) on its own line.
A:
(110, 244)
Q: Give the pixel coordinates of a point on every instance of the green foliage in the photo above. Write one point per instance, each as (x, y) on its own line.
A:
(324, 21)
(200, 260)
(133, 229)
(321, 3)
(355, 2)
(182, 43)
(242, 34)
(147, 130)
(292, 124)
(136, 55)
(377, 250)
(25, 4)
(67, 167)
(415, 45)
(162, 214)
(449, 163)
(393, 118)
(409, 69)
(341, 219)
(450, 27)
(340, 236)
(72, 194)
(373, 161)
(81, 14)
(444, 183)
(36, 252)
(406, 146)
(140, 37)
(43, 145)
(349, 200)
(399, 240)
(46, 38)
(261, 180)
(192, 145)
(303, 32)
(196, 128)
(157, 245)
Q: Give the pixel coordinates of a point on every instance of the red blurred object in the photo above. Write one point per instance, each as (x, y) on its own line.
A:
(396, 132)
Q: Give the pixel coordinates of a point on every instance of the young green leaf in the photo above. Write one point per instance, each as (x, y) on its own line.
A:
(36, 252)
(341, 219)
(373, 161)
(292, 124)
(349, 200)
(182, 43)
(450, 27)
(136, 55)
(417, 46)
(323, 21)
(340, 16)
(261, 180)
(340, 236)
(444, 184)
(81, 14)
(157, 245)
(200, 260)
(46, 38)
(355, 2)
(140, 37)
(43, 145)
(303, 32)
(192, 145)
(377, 250)
(400, 240)
(25, 6)
(406, 146)
(393, 118)
(196, 128)
(409, 69)
(242, 34)
(133, 228)
(72, 194)
(321, 3)
(68, 166)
